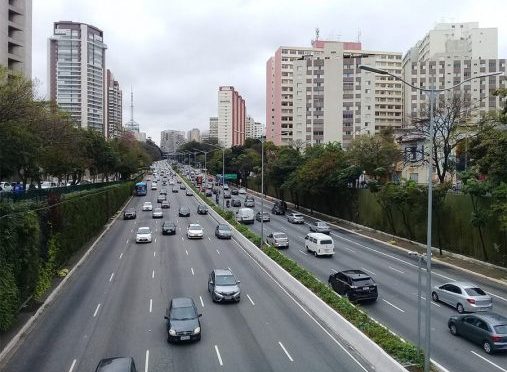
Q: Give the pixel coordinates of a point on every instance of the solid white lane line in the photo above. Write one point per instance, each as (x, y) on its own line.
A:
(218, 356)
(306, 254)
(286, 352)
(368, 271)
(489, 361)
(72, 365)
(494, 295)
(396, 307)
(153, 274)
(147, 361)
(186, 252)
(253, 304)
(111, 277)
(96, 311)
(192, 270)
(399, 271)
(151, 304)
(229, 268)
(348, 249)
(218, 251)
(121, 255)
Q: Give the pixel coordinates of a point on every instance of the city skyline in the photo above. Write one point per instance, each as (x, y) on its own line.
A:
(230, 59)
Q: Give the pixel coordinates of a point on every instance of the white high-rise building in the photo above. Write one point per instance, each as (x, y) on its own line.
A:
(77, 73)
(16, 36)
(213, 127)
(194, 135)
(170, 140)
(253, 129)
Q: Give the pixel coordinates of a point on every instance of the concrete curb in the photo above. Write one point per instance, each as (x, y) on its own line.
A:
(11, 347)
(312, 304)
(434, 259)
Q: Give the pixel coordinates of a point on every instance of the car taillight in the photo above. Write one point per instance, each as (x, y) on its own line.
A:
(471, 300)
(496, 338)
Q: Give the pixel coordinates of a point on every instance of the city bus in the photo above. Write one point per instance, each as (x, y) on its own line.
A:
(140, 189)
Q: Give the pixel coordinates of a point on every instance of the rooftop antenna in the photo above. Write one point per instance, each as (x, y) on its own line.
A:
(317, 33)
(359, 35)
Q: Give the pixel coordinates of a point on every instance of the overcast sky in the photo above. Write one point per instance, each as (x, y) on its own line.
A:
(175, 54)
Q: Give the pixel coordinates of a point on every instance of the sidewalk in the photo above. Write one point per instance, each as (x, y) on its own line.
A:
(473, 266)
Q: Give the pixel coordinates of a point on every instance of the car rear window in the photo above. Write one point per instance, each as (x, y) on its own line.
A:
(501, 329)
(143, 230)
(362, 282)
(326, 241)
(475, 292)
(279, 236)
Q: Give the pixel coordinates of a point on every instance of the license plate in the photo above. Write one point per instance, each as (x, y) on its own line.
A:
(184, 338)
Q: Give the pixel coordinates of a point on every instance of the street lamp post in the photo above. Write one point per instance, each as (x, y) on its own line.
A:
(432, 97)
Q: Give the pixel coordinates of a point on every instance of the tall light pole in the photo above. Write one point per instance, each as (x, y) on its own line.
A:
(262, 191)
(432, 97)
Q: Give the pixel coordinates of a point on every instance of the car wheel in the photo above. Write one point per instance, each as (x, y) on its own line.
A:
(307, 248)
(315, 253)
(487, 347)
(460, 308)
(453, 329)
(434, 296)
(213, 298)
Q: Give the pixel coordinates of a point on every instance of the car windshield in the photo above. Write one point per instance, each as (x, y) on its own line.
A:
(280, 236)
(225, 280)
(169, 224)
(361, 282)
(147, 203)
(475, 292)
(223, 227)
(183, 313)
(183, 209)
(321, 224)
(297, 215)
(143, 230)
(501, 329)
(195, 227)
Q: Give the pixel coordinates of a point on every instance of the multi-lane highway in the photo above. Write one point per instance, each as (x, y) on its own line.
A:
(115, 303)
(396, 275)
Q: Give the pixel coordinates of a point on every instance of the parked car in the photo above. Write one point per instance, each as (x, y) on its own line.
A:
(165, 204)
(278, 209)
(147, 206)
(236, 203)
(118, 364)
(223, 286)
(242, 191)
(161, 198)
(223, 231)
(278, 240)
(157, 213)
(265, 216)
(245, 215)
(194, 230)
(234, 192)
(320, 227)
(189, 192)
(129, 214)
(202, 209)
(355, 284)
(168, 228)
(295, 218)
(184, 212)
(463, 297)
(487, 329)
(320, 244)
(182, 320)
(143, 235)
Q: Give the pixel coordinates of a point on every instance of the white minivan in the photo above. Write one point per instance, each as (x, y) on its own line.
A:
(245, 215)
(319, 243)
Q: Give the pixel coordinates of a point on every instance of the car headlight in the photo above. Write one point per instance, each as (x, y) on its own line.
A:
(197, 330)
(218, 293)
(172, 332)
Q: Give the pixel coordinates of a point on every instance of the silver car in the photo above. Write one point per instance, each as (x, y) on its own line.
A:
(223, 286)
(278, 240)
(295, 218)
(463, 297)
(320, 227)
(157, 213)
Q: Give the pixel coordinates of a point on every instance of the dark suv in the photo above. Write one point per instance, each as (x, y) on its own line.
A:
(168, 228)
(183, 320)
(278, 209)
(202, 209)
(119, 364)
(355, 284)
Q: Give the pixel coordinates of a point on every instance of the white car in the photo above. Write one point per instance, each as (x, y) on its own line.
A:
(147, 206)
(171, 182)
(157, 213)
(295, 218)
(194, 230)
(143, 235)
(153, 185)
(242, 191)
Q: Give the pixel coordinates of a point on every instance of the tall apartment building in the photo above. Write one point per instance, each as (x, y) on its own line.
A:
(16, 36)
(213, 127)
(77, 73)
(253, 129)
(319, 95)
(170, 140)
(194, 135)
(231, 117)
(448, 55)
(114, 107)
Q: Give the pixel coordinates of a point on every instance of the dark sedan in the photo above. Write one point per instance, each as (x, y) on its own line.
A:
(168, 228)
(236, 203)
(223, 231)
(202, 209)
(129, 214)
(487, 329)
(183, 320)
(118, 364)
(184, 212)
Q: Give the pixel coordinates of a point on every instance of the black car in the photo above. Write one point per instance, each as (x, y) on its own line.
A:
(129, 214)
(355, 284)
(165, 205)
(183, 187)
(168, 228)
(183, 320)
(184, 212)
(202, 209)
(175, 189)
(236, 203)
(209, 192)
(119, 364)
(223, 231)
(234, 192)
(278, 209)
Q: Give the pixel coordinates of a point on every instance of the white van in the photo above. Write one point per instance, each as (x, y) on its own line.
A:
(245, 215)
(319, 243)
